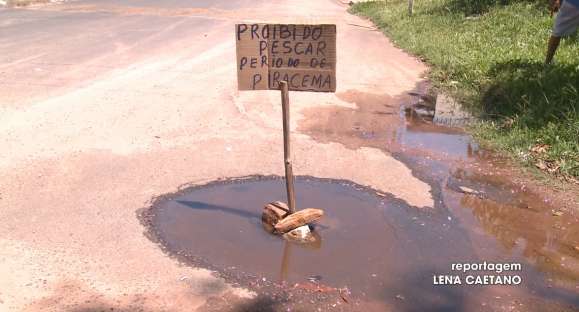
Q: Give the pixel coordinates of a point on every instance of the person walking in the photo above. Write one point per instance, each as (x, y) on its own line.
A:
(566, 23)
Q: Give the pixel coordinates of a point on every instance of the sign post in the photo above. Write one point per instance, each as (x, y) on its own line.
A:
(289, 175)
(287, 57)
(302, 55)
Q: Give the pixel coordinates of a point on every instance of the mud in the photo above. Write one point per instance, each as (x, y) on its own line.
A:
(508, 212)
(379, 121)
(377, 252)
(375, 249)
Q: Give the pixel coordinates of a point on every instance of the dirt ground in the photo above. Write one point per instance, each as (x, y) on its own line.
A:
(105, 105)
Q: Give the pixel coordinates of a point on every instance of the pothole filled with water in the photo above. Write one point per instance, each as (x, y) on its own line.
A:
(374, 247)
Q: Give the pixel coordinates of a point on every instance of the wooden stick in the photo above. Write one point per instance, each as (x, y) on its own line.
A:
(297, 219)
(289, 176)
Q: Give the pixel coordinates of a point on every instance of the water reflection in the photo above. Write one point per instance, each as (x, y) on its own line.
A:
(543, 241)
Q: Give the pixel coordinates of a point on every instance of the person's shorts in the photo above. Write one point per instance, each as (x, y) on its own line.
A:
(567, 20)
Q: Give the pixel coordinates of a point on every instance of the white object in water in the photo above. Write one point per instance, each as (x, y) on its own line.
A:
(301, 232)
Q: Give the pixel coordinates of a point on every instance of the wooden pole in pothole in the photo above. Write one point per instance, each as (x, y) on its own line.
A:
(278, 217)
(289, 176)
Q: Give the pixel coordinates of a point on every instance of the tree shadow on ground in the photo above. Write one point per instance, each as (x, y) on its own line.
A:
(230, 304)
(474, 7)
(221, 304)
(532, 92)
(417, 293)
(478, 7)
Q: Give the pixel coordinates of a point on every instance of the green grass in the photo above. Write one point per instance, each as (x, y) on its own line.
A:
(492, 62)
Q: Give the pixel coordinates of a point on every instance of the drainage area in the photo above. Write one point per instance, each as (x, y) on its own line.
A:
(374, 248)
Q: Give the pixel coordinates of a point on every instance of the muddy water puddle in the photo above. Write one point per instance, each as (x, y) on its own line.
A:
(381, 121)
(376, 249)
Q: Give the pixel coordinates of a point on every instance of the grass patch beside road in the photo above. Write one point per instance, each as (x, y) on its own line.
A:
(492, 62)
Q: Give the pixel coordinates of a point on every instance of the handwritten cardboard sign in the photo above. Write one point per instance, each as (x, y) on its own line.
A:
(302, 55)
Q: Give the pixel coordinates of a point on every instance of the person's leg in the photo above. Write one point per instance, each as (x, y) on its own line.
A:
(552, 48)
(566, 23)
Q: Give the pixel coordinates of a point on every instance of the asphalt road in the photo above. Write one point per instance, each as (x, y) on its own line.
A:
(106, 104)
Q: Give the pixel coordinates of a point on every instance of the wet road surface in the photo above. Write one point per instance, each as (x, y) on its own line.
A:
(480, 214)
(374, 247)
